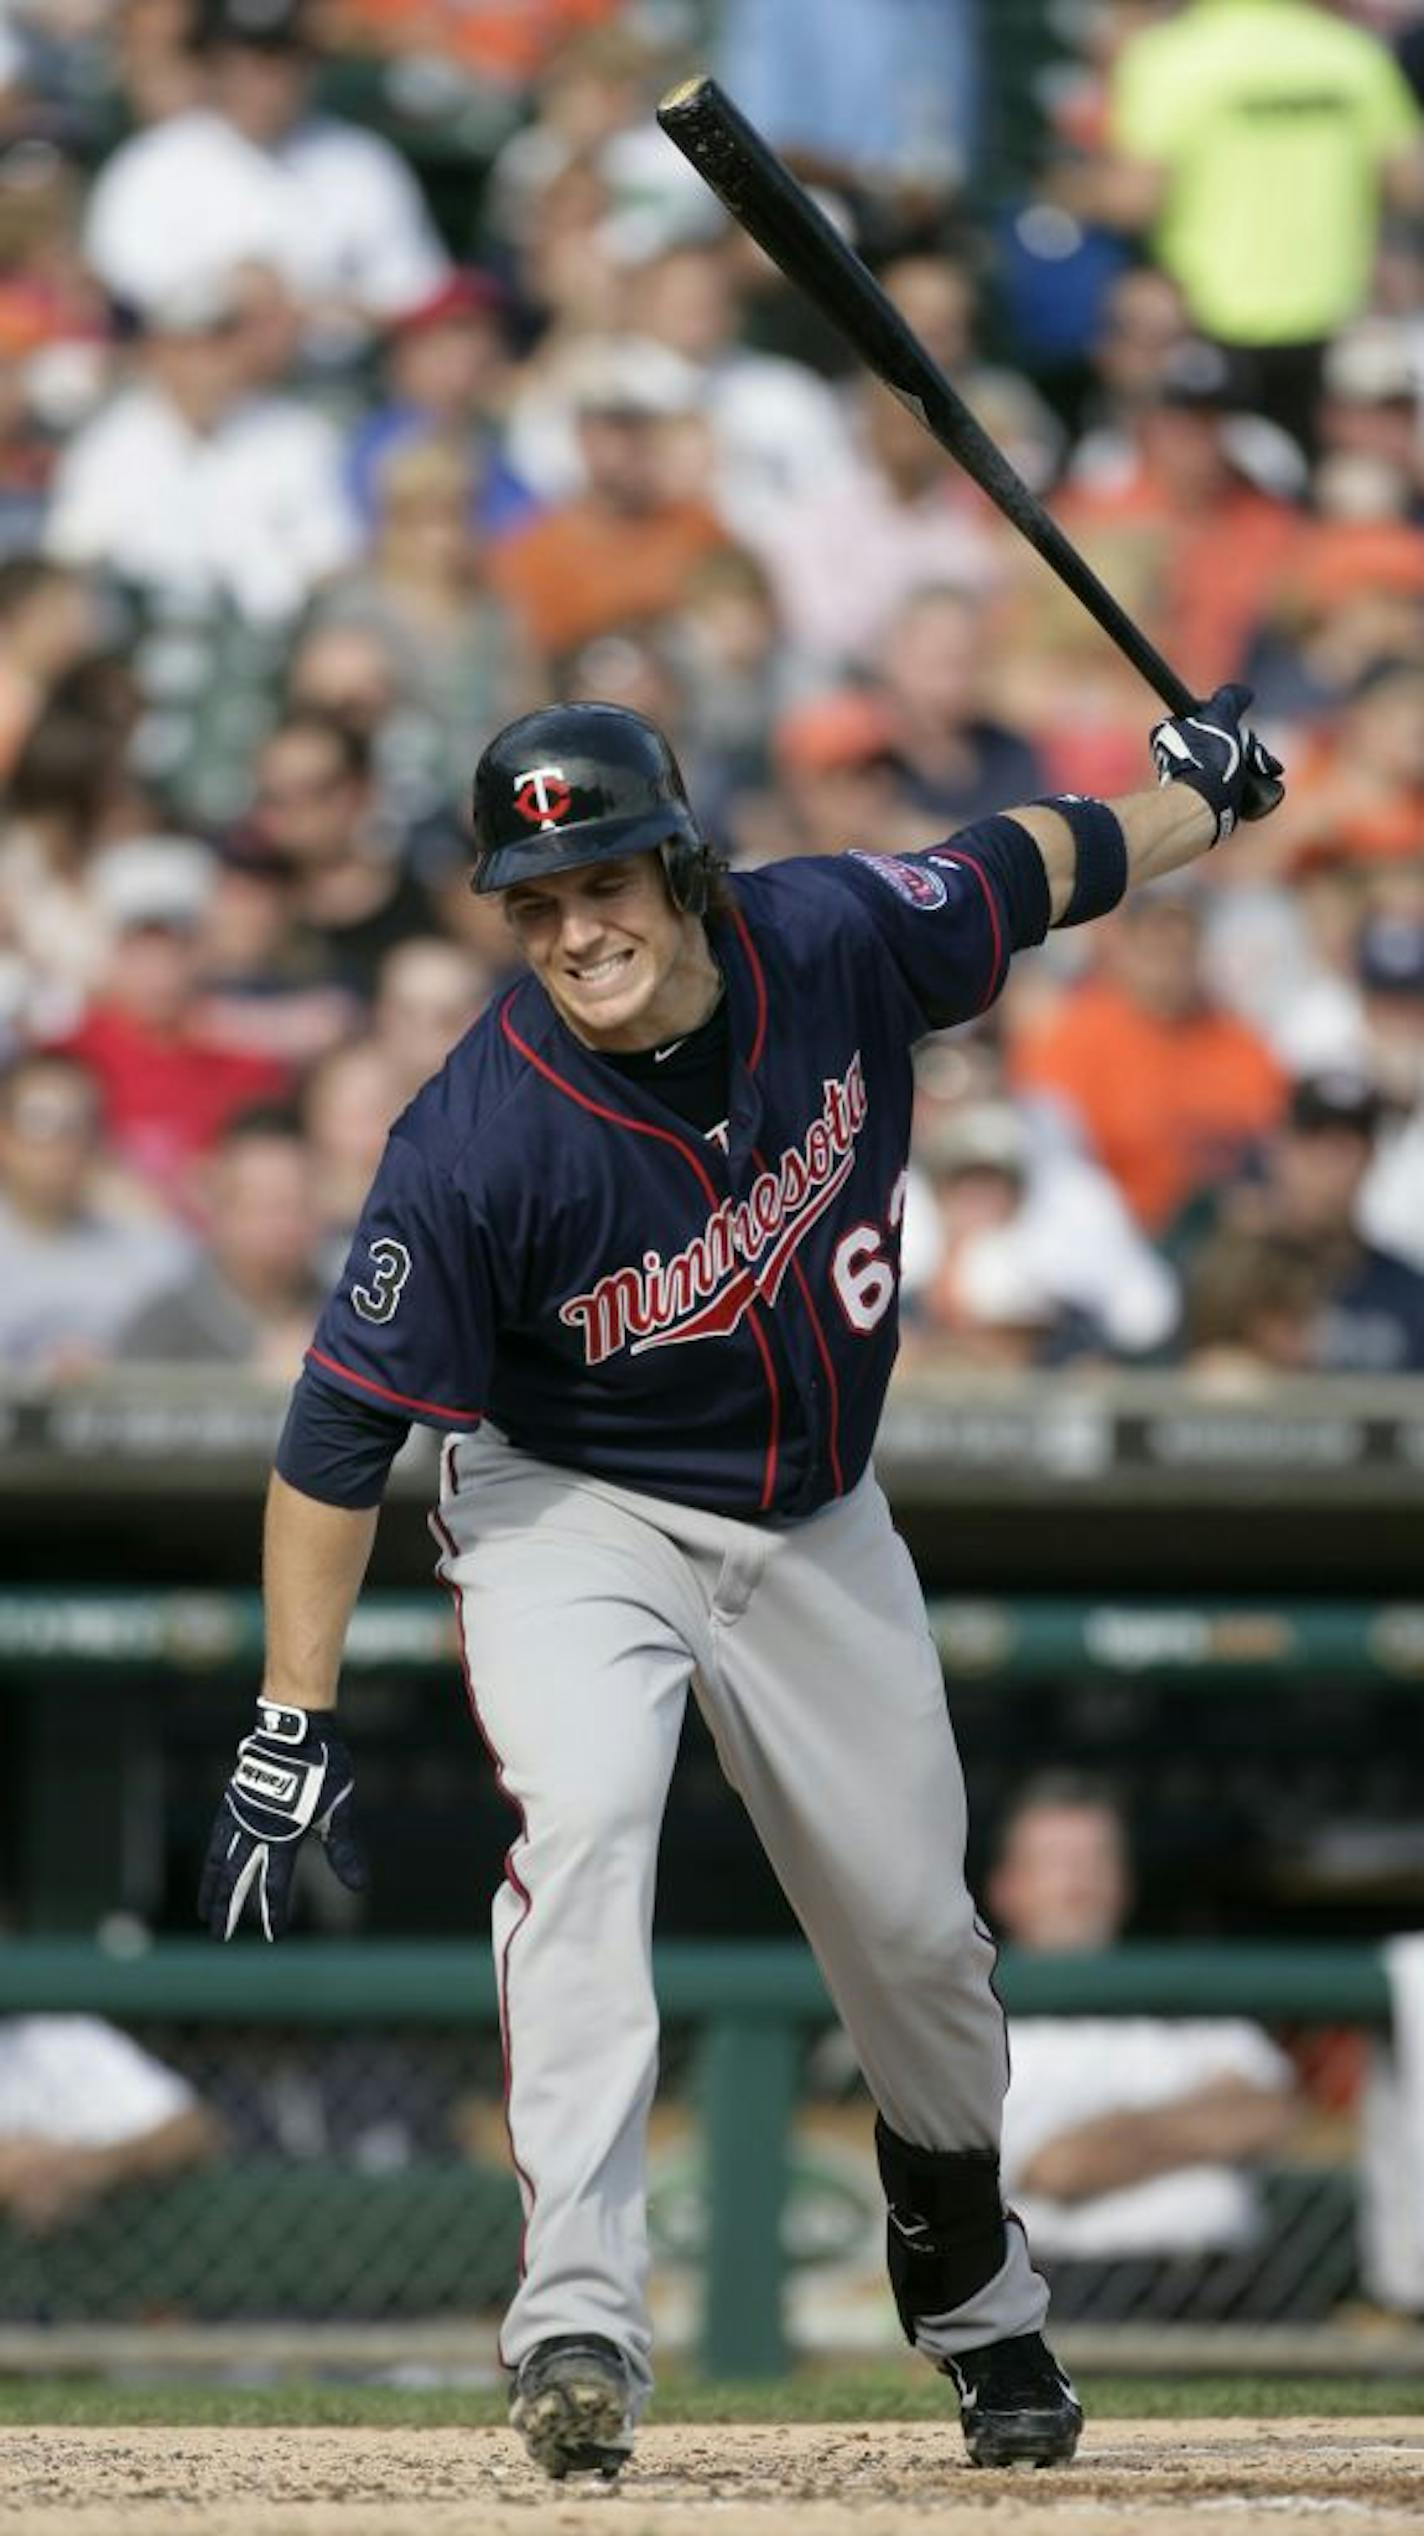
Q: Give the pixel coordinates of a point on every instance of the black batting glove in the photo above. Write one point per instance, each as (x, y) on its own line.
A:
(1235, 774)
(293, 1776)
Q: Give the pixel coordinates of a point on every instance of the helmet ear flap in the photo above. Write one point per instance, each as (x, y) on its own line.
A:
(687, 869)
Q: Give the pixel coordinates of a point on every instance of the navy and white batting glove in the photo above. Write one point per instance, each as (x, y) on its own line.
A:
(293, 1776)
(1235, 774)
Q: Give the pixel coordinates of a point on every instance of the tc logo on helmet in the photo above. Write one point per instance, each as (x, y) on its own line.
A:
(542, 796)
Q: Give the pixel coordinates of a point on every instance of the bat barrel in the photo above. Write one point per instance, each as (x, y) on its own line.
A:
(764, 198)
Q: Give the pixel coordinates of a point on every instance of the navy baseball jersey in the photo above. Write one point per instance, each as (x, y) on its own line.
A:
(711, 1320)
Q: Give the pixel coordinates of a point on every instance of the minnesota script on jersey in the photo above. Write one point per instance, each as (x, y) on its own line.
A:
(549, 1246)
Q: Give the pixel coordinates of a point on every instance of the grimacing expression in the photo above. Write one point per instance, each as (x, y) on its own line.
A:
(622, 965)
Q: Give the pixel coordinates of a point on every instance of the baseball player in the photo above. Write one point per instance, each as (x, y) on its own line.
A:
(635, 1250)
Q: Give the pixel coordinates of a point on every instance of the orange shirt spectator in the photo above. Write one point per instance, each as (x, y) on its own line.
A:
(621, 551)
(580, 571)
(1170, 1090)
(1359, 787)
(1182, 536)
(1202, 578)
(1345, 559)
(506, 40)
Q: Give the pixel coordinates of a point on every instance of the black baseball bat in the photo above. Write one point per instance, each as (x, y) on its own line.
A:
(766, 200)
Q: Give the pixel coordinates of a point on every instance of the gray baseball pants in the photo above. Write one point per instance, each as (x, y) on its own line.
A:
(587, 1612)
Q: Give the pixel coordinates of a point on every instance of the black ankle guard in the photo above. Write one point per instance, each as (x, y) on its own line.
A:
(945, 2234)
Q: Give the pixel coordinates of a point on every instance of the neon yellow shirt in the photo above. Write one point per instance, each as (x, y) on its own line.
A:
(1272, 121)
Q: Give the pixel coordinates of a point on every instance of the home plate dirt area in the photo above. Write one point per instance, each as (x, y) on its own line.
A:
(1153, 2478)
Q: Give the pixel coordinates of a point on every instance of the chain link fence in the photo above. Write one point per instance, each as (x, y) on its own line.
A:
(354, 2177)
(361, 2176)
(1299, 2264)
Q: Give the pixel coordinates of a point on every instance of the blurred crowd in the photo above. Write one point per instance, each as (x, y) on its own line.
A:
(371, 370)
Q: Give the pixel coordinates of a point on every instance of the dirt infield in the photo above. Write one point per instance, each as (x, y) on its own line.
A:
(1212, 2478)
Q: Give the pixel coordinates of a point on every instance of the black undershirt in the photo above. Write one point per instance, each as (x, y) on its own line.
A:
(692, 1076)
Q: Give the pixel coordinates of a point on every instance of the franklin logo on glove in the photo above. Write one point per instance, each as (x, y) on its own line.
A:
(293, 1776)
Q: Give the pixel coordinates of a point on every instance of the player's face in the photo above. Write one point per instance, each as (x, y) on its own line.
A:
(623, 966)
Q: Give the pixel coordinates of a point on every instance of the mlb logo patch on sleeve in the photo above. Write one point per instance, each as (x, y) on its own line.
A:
(918, 886)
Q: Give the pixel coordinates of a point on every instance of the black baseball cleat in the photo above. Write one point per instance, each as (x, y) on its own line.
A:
(1016, 2407)
(570, 2405)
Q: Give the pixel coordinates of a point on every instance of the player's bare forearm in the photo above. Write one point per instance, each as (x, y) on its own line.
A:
(1224, 2122)
(1162, 829)
(314, 1557)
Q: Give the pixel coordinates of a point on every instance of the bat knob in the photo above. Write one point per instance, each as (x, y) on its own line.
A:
(1260, 795)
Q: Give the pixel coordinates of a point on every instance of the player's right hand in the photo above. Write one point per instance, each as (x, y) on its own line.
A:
(293, 1776)
(1210, 750)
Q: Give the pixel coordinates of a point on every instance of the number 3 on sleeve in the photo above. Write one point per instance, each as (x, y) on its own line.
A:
(390, 1267)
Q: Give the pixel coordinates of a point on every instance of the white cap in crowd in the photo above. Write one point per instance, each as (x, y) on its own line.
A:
(630, 374)
(157, 880)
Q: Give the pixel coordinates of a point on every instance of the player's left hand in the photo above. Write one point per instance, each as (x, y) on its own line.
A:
(293, 1776)
(1209, 749)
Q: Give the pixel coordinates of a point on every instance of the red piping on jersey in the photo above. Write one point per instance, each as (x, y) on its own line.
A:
(432, 1408)
(516, 1882)
(758, 981)
(998, 965)
(615, 1118)
(768, 1485)
(823, 1351)
(665, 1136)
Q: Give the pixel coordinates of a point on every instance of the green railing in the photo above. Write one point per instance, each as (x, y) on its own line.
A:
(752, 2004)
(1218, 1640)
(120, 1650)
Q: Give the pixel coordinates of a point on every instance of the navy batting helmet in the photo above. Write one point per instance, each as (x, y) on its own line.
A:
(584, 783)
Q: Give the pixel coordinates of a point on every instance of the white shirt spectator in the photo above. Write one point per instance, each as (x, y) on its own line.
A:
(779, 435)
(1067, 2071)
(844, 558)
(75, 1288)
(1260, 960)
(779, 431)
(1392, 2140)
(1392, 1199)
(332, 207)
(253, 510)
(79, 2083)
(1070, 1241)
(53, 940)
